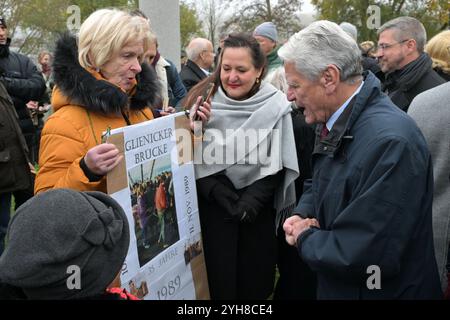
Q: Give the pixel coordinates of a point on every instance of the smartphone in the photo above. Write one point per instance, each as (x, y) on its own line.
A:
(208, 93)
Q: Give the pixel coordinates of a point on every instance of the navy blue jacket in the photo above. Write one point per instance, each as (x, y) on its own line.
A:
(371, 191)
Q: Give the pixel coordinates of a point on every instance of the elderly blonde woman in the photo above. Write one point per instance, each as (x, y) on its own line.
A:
(438, 48)
(100, 84)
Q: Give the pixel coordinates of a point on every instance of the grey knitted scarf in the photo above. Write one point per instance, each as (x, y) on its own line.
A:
(248, 140)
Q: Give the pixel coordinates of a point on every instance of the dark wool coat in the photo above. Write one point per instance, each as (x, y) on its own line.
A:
(416, 77)
(24, 82)
(14, 171)
(191, 74)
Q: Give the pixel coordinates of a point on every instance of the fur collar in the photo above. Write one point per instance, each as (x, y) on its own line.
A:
(83, 89)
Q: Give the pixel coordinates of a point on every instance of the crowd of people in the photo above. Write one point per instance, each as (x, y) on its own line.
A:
(355, 173)
(153, 197)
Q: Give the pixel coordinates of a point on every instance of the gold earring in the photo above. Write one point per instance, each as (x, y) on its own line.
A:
(257, 80)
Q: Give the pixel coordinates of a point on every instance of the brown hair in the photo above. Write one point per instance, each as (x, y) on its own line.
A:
(234, 40)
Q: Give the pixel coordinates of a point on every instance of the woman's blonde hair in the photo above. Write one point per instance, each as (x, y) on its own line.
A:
(439, 50)
(105, 32)
(42, 54)
(367, 47)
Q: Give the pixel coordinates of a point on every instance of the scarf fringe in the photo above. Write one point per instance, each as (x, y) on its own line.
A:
(282, 215)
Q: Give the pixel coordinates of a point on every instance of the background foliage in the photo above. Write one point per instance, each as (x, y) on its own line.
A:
(34, 24)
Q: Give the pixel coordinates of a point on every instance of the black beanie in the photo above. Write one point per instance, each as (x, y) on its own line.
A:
(59, 229)
(3, 22)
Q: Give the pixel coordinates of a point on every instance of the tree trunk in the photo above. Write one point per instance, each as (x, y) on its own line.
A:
(269, 11)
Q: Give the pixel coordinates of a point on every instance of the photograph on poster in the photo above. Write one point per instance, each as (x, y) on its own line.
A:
(153, 207)
(140, 291)
(192, 249)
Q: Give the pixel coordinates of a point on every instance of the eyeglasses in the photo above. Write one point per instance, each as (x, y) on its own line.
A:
(387, 46)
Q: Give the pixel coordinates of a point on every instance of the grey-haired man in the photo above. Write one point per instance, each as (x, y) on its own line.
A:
(368, 205)
(401, 57)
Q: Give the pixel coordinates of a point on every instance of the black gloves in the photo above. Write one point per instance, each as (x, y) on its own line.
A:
(244, 212)
(242, 205)
(239, 209)
(225, 197)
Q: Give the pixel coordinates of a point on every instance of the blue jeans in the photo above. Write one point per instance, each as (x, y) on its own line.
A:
(5, 207)
(161, 222)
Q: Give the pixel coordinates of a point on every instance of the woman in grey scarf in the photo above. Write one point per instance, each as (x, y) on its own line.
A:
(245, 169)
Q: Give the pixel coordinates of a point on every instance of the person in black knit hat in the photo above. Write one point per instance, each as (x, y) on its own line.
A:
(65, 244)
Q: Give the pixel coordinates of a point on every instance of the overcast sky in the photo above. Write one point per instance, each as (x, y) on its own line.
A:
(307, 6)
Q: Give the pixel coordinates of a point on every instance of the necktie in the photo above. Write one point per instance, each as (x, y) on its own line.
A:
(324, 132)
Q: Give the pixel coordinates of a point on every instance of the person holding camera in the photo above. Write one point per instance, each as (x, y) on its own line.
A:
(23, 82)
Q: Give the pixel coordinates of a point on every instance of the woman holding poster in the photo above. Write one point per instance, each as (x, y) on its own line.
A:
(101, 83)
(246, 178)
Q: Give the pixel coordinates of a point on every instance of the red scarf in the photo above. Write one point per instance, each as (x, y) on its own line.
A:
(123, 294)
(46, 69)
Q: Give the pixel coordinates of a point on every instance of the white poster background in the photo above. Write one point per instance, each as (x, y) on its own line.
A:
(167, 275)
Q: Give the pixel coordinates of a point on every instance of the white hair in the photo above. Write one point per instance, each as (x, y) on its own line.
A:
(320, 44)
(196, 47)
(277, 78)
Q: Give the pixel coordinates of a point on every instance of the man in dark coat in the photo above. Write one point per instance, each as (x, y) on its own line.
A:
(23, 82)
(200, 55)
(401, 56)
(363, 223)
(14, 171)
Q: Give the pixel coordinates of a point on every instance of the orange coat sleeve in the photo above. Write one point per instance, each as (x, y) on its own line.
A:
(62, 147)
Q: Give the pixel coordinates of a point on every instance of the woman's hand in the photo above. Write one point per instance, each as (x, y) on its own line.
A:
(200, 112)
(167, 111)
(102, 158)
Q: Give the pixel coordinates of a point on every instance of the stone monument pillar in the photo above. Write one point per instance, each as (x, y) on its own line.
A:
(165, 21)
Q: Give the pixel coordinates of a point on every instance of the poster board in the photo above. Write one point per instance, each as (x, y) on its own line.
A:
(155, 185)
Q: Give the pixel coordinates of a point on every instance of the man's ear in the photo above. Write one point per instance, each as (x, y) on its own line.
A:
(330, 78)
(411, 44)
